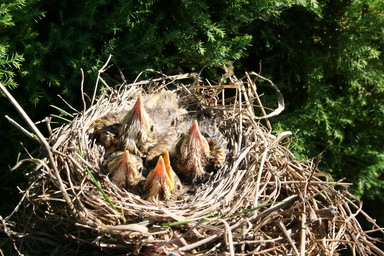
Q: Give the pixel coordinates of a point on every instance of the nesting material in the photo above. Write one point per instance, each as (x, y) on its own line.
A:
(261, 202)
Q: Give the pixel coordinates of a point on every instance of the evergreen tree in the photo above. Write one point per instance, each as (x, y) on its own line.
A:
(328, 62)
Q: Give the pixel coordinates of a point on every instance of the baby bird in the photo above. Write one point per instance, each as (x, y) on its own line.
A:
(197, 154)
(164, 108)
(125, 170)
(162, 182)
(194, 154)
(137, 132)
(106, 129)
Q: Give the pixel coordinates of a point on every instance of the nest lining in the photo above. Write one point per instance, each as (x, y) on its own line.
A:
(262, 202)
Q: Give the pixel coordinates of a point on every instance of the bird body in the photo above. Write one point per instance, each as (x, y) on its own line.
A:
(147, 128)
(164, 109)
(167, 142)
(106, 129)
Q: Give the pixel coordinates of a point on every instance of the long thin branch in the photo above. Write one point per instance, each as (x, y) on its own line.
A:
(44, 143)
(22, 129)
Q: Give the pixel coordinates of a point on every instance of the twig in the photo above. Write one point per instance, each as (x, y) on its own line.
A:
(229, 237)
(102, 70)
(252, 85)
(22, 129)
(280, 99)
(66, 103)
(285, 232)
(82, 90)
(45, 144)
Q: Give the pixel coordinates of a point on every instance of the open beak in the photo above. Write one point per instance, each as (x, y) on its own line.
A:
(167, 164)
(159, 173)
(139, 113)
(123, 162)
(195, 141)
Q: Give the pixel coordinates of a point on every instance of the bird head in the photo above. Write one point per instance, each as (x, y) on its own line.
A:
(137, 129)
(159, 183)
(139, 118)
(194, 154)
(194, 144)
(124, 163)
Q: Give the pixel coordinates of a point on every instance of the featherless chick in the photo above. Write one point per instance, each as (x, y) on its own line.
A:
(164, 109)
(137, 132)
(197, 154)
(125, 170)
(106, 129)
(162, 182)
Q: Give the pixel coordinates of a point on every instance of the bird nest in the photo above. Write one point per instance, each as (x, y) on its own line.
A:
(261, 202)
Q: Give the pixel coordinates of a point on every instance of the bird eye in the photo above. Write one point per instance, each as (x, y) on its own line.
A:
(151, 128)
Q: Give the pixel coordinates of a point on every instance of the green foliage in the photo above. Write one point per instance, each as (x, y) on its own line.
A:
(328, 62)
(16, 26)
(17, 21)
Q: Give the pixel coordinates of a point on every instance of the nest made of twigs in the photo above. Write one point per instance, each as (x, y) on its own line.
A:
(262, 202)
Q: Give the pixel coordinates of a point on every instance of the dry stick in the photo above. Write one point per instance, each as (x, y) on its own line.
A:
(58, 182)
(197, 77)
(276, 207)
(48, 123)
(20, 202)
(82, 90)
(280, 99)
(303, 232)
(175, 77)
(330, 183)
(248, 102)
(228, 237)
(280, 137)
(285, 232)
(373, 222)
(259, 175)
(240, 116)
(303, 227)
(102, 70)
(22, 129)
(262, 109)
(66, 103)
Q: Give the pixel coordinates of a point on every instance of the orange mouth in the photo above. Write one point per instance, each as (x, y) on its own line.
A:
(160, 173)
(167, 164)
